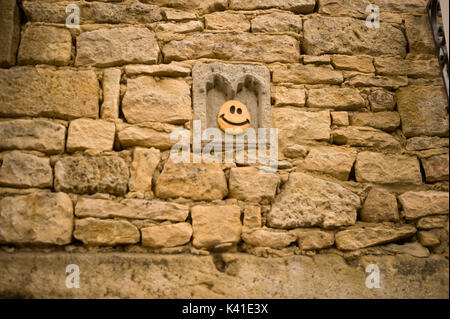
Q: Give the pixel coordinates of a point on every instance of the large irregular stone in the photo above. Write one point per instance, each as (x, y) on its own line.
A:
(386, 121)
(90, 134)
(418, 32)
(306, 74)
(37, 218)
(277, 22)
(117, 46)
(411, 68)
(307, 201)
(65, 93)
(284, 96)
(424, 203)
(428, 239)
(426, 143)
(131, 208)
(226, 21)
(297, 6)
(201, 6)
(111, 94)
(252, 216)
(436, 168)
(45, 45)
(39, 134)
(423, 110)
(364, 137)
(10, 35)
(25, 170)
(130, 136)
(98, 232)
(381, 100)
(430, 222)
(360, 63)
(341, 99)
(314, 238)
(380, 168)
(268, 238)
(142, 168)
(329, 35)
(166, 235)
(339, 118)
(150, 100)
(386, 82)
(197, 181)
(380, 206)
(96, 174)
(169, 31)
(237, 47)
(366, 235)
(216, 225)
(249, 184)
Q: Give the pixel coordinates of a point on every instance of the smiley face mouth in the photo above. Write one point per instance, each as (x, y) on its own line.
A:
(232, 123)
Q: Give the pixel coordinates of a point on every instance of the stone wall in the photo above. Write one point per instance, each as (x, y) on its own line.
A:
(86, 115)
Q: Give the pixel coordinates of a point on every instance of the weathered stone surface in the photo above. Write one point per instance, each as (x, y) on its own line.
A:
(277, 22)
(361, 63)
(216, 225)
(386, 82)
(411, 68)
(45, 45)
(142, 168)
(117, 46)
(366, 235)
(316, 59)
(436, 168)
(96, 174)
(339, 118)
(37, 218)
(329, 35)
(150, 100)
(424, 203)
(166, 235)
(172, 31)
(268, 238)
(226, 21)
(252, 216)
(179, 15)
(237, 47)
(284, 96)
(297, 6)
(131, 208)
(202, 6)
(341, 99)
(386, 121)
(10, 35)
(430, 222)
(65, 93)
(307, 201)
(381, 101)
(111, 94)
(295, 151)
(380, 206)
(428, 239)
(99, 232)
(414, 249)
(39, 134)
(418, 32)
(387, 169)
(364, 137)
(423, 110)
(130, 136)
(90, 134)
(306, 74)
(171, 69)
(334, 161)
(425, 143)
(25, 170)
(314, 238)
(249, 184)
(197, 181)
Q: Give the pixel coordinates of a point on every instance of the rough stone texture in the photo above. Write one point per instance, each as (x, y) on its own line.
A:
(172, 69)
(364, 137)
(305, 74)
(10, 35)
(425, 143)
(202, 6)
(129, 136)
(45, 45)
(386, 121)
(268, 238)
(314, 238)
(428, 239)
(197, 181)
(366, 235)
(436, 168)
(385, 82)
(284, 96)
(90, 134)
(356, 7)
(166, 235)
(65, 93)
(297, 6)
(341, 99)
(360, 63)
(318, 60)
(295, 151)
(414, 249)
(412, 68)
(387, 169)
(252, 216)
(238, 47)
(111, 94)
(164, 31)
(98, 232)
(307, 201)
(179, 15)
(339, 118)
(430, 222)
(37, 218)
(379, 206)
(215, 225)
(39, 134)
(330, 35)
(249, 184)
(277, 22)
(381, 101)
(423, 111)
(334, 161)
(145, 162)
(226, 21)
(424, 203)
(25, 170)
(117, 46)
(418, 32)
(86, 174)
(150, 100)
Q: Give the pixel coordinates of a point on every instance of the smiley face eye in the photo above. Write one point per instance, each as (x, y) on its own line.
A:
(239, 110)
(232, 109)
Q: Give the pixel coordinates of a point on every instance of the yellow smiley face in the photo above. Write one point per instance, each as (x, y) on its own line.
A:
(233, 117)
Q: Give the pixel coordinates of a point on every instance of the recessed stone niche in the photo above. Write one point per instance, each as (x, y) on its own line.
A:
(216, 83)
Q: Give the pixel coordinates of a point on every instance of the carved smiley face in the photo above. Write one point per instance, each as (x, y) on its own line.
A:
(233, 117)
